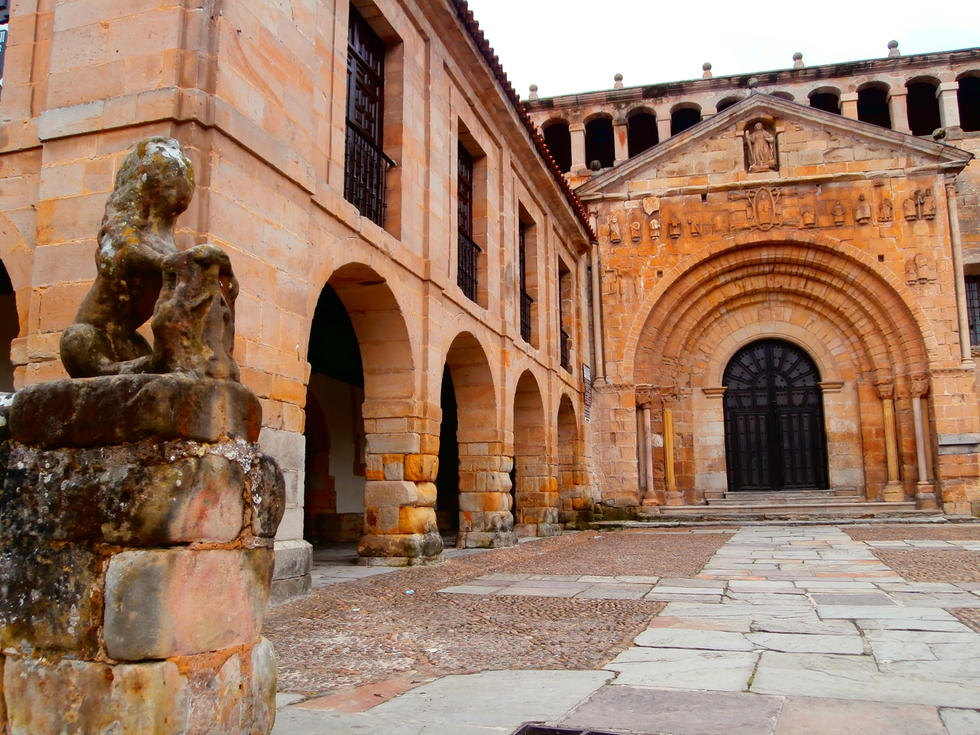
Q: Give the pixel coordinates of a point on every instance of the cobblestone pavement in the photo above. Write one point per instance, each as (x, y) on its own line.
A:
(784, 630)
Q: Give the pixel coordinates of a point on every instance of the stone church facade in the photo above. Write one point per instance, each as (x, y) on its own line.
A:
(443, 336)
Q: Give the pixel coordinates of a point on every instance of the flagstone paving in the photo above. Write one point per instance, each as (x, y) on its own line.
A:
(786, 630)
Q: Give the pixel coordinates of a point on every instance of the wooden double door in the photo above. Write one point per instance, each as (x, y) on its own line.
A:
(774, 426)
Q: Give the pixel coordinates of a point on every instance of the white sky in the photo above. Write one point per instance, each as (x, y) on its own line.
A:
(568, 46)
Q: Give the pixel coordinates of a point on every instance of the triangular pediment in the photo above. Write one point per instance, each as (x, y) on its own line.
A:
(764, 139)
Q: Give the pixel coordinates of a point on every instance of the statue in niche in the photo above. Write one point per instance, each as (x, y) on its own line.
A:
(655, 228)
(808, 216)
(911, 272)
(694, 227)
(614, 234)
(862, 213)
(636, 230)
(838, 213)
(674, 229)
(760, 146)
(920, 269)
(910, 207)
(886, 210)
(140, 273)
(927, 204)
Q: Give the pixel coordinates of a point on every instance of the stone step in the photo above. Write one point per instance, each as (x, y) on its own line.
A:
(786, 497)
(798, 510)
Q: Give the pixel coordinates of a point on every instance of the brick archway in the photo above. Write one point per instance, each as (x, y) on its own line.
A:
(856, 324)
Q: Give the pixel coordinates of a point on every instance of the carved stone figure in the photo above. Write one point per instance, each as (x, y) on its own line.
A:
(926, 268)
(886, 210)
(655, 228)
(808, 216)
(838, 213)
(928, 204)
(911, 271)
(674, 229)
(761, 148)
(862, 213)
(615, 235)
(636, 231)
(695, 227)
(910, 209)
(153, 186)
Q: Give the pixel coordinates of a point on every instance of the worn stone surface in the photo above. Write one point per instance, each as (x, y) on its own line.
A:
(126, 408)
(180, 602)
(268, 494)
(50, 599)
(140, 494)
(44, 697)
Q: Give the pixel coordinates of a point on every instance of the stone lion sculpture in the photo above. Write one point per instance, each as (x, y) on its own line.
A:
(193, 319)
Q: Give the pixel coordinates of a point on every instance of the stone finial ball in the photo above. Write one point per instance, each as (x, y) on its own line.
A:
(893, 44)
(798, 56)
(618, 78)
(706, 66)
(533, 87)
(753, 82)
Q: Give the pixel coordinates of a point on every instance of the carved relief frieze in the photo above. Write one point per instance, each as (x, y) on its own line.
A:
(919, 269)
(764, 210)
(615, 235)
(655, 228)
(920, 205)
(862, 212)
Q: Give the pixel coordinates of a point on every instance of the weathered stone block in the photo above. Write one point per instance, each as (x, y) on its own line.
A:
(294, 558)
(401, 549)
(180, 602)
(421, 467)
(268, 492)
(122, 495)
(119, 409)
(395, 492)
(417, 520)
(51, 698)
(50, 599)
(489, 501)
(427, 493)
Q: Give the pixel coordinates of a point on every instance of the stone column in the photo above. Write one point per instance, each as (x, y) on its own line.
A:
(898, 109)
(621, 141)
(137, 556)
(600, 357)
(893, 491)
(646, 449)
(485, 518)
(949, 108)
(663, 125)
(959, 280)
(576, 132)
(849, 105)
(925, 495)
(673, 496)
(402, 460)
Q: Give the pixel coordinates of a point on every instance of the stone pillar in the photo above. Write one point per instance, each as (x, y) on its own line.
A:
(485, 518)
(663, 125)
(925, 495)
(949, 108)
(576, 132)
(673, 496)
(401, 453)
(849, 105)
(893, 491)
(959, 280)
(621, 140)
(137, 552)
(599, 369)
(898, 109)
(646, 450)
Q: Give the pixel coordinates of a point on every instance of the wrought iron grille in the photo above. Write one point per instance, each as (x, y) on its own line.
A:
(469, 252)
(566, 350)
(526, 300)
(466, 273)
(973, 308)
(365, 164)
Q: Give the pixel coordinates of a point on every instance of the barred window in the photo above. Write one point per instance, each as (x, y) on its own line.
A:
(973, 308)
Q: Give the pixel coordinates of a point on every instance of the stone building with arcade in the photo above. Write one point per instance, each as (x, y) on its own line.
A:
(455, 326)
(789, 269)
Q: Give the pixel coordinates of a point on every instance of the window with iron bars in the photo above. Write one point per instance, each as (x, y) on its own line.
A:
(973, 308)
(566, 350)
(365, 163)
(468, 251)
(526, 300)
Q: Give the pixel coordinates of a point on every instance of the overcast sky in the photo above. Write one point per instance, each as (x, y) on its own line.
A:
(567, 46)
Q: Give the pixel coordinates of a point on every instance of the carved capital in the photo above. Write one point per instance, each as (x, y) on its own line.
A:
(919, 384)
(885, 388)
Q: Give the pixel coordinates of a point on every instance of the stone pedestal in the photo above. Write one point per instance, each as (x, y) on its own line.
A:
(137, 521)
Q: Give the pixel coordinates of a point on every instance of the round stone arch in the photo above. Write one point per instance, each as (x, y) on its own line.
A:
(15, 307)
(857, 326)
(534, 487)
